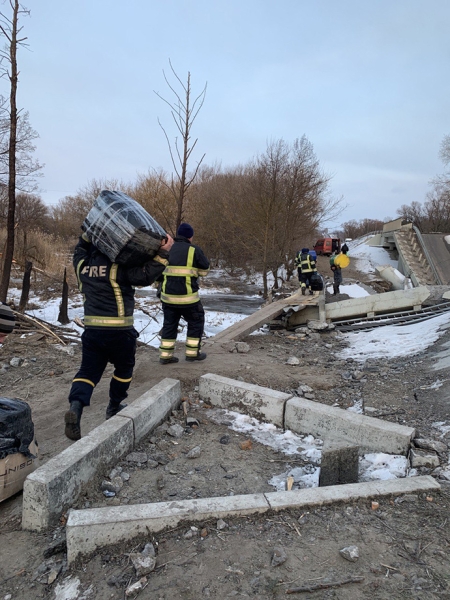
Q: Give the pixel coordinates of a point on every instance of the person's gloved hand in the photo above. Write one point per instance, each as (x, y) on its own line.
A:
(84, 242)
(167, 243)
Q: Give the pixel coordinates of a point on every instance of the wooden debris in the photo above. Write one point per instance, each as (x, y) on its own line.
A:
(28, 324)
(324, 586)
(289, 483)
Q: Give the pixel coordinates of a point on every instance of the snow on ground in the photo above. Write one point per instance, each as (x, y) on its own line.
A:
(368, 257)
(371, 466)
(383, 342)
(353, 290)
(393, 341)
(148, 316)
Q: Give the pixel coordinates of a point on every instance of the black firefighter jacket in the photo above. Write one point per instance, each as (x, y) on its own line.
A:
(107, 286)
(186, 263)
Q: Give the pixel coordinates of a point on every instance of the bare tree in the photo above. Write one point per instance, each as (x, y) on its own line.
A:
(445, 150)
(184, 113)
(152, 191)
(30, 214)
(434, 215)
(17, 133)
(70, 211)
(256, 215)
(354, 229)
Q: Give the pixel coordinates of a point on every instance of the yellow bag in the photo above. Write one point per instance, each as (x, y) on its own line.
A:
(342, 260)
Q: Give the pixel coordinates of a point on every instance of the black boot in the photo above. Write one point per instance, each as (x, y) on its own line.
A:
(72, 420)
(335, 289)
(167, 361)
(112, 409)
(200, 356)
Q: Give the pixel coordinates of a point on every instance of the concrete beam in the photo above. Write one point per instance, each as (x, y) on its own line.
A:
(336, 425)
(254, 400)
(88, 530)
(311, 313)
(150, 409)
(55, 486)
(52, 488)
(352, 491)
(389, 301)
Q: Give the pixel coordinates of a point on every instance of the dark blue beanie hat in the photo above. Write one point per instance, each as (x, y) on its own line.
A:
(305, 250)
(185, 230)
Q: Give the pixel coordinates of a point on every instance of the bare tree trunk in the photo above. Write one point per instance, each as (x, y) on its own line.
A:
(184, 112)
(275, 279)
(25, 286)
(63, 316)
(9, 250)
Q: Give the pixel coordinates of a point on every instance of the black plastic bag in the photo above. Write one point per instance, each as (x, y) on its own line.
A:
(122, 229)
(316, 282)
(16, 427)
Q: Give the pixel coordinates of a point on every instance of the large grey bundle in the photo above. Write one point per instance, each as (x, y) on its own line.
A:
(122, 229)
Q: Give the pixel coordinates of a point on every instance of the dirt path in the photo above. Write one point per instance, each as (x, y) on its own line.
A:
(404, 546)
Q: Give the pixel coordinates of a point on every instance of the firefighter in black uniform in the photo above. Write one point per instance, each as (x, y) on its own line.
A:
(180, 298)
(306, 266)
(109, 335)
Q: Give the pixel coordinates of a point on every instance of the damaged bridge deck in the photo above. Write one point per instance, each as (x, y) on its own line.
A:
(300, 309)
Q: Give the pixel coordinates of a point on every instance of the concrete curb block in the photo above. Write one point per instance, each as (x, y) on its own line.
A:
(350, 491)
(149, 410)
(88, 530)
(306, 416)
(259, 402)
(337, 425)
(55, 486)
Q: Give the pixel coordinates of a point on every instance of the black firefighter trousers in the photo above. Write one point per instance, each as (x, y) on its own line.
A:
(99, 348)
(194, 315)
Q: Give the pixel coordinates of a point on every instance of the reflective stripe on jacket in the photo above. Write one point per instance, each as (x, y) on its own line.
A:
(306, 263)
(108, 287)
(186, 263)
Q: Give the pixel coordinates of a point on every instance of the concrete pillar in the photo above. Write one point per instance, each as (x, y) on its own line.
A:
(339, 464)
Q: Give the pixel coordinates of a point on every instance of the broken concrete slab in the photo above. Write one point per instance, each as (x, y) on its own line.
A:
(339, 464)
(150, 409)
(53, 487)
(88, 530)
(259, 402)
(337, 425)
(389, 301)
(423, 458)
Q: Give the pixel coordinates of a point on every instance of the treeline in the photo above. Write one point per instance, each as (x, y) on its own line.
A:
(253, 216)
(354, 229)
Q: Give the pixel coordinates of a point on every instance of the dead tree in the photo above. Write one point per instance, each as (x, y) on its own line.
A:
(184, 113)
(10, 128)
(25, 286)
(63, 316)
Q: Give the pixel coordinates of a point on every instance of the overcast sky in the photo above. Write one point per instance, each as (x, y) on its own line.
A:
(366, 82)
